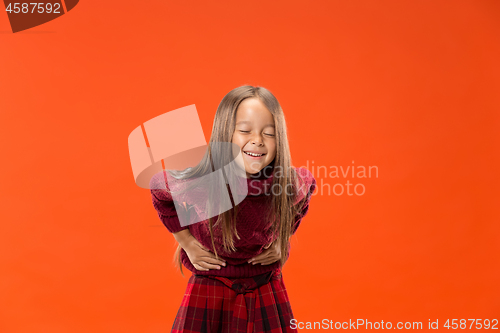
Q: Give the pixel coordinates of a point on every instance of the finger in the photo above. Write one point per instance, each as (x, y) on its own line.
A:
(258, 261)
(267, 246)
(213, 260)
(268, 262)
(265, 254)
(198, 267)
(272, 257)
(218, 258)
(209, 265)
(258, 258)
(263, 261)
(211, 255)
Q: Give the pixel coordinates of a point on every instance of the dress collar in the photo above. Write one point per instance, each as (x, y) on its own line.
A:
(259, 186)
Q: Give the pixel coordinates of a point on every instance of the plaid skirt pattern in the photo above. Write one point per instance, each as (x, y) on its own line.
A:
(217, 304)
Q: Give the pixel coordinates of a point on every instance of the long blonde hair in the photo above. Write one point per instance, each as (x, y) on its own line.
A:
(282, 210)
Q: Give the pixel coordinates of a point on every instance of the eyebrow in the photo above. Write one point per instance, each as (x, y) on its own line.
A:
(248, 122)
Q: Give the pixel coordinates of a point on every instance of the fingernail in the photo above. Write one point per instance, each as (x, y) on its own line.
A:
(223, 264)
(218, 267)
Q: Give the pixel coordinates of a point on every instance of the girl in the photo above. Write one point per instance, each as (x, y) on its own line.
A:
(237, 284)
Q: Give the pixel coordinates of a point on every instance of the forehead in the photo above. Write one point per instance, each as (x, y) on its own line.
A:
(253, 112)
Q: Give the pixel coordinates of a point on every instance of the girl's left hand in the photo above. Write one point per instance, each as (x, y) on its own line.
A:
(268, 256)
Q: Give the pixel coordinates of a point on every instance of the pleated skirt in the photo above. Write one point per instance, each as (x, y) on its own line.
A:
(217, 304)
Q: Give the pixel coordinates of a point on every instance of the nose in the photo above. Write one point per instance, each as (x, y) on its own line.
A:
(257, 141)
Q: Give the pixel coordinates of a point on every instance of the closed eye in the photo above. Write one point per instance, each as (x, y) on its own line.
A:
(268, 134)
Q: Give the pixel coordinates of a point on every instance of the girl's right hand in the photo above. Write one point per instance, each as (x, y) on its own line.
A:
(201, 257)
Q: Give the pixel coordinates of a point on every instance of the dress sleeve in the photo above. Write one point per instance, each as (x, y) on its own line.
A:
(164, 204)
(307, 185)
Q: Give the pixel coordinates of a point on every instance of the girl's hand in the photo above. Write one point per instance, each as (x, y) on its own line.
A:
(201, 257)
(268, 256)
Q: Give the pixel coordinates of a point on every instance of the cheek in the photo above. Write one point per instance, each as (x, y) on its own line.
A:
(274, 147)
(237, 141)
(273, 151)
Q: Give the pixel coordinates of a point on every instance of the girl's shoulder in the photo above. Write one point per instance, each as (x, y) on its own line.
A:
(159, 186)
(306, 183)
(304, 174)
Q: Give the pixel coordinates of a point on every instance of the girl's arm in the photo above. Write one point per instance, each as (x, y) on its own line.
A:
(272, 252)
(182, 237)
(201, 257)
(164, 203)
(299, 217)
(307, 187)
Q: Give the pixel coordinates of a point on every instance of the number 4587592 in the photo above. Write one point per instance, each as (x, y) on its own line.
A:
(480, 323)
(40, 8)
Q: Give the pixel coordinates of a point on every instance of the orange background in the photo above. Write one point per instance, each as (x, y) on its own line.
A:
(410, 87)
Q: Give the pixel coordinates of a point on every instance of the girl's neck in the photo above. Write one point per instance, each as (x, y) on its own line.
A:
(265, 173)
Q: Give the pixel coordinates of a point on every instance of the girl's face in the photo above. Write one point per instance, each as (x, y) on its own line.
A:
(255, 135)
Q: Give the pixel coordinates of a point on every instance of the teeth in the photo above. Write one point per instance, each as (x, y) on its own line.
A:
(252, 154)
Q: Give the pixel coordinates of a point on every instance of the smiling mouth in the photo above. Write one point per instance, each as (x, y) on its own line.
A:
(253, 154)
